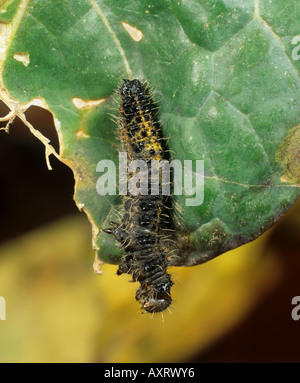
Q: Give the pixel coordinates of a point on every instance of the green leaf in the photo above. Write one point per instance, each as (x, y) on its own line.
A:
(228, 82)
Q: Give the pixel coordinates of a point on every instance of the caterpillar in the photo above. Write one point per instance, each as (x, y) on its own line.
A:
(143, 227)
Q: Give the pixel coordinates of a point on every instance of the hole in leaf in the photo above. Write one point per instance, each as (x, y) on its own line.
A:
(30, 194)
(4, 109)
(42, 120)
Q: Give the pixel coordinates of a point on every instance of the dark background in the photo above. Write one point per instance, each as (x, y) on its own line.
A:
(32, 196)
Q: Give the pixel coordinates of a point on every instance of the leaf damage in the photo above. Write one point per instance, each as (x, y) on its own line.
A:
(288, 155)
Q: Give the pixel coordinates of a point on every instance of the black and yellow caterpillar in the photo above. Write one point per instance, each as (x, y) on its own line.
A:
(143, 227)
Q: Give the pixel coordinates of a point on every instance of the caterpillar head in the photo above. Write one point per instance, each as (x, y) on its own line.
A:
(155, 298)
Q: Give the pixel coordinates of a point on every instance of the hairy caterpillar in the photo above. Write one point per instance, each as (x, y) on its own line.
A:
(143, 227)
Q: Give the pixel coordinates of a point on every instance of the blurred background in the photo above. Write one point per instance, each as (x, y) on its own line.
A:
(236, 308)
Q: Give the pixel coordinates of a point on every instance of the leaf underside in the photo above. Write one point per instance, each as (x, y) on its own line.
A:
(228, 90)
